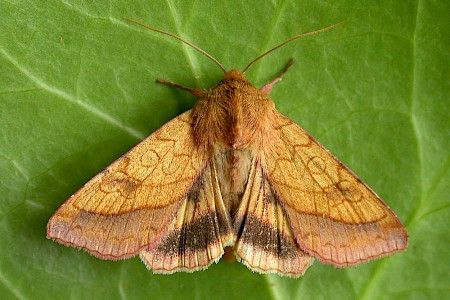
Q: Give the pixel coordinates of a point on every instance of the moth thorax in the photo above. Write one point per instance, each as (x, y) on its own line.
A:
(234, 113)
(233, 167)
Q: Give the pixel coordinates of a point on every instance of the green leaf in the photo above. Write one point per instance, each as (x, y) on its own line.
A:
(77, 91)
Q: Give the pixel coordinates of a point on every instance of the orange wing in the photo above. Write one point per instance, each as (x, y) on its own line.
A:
(129, 205)
(265, 242)
(334, 215)
(198, 233)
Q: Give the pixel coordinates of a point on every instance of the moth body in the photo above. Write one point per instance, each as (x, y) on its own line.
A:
(232, 121)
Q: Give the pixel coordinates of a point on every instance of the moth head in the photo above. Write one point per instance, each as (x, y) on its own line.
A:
(234, 74)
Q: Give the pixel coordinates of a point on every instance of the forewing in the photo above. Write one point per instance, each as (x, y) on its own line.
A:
(197, 235)
(128, 206)
(333, 214)
(265, 240)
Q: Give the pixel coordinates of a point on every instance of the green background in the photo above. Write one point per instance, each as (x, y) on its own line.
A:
(77, 91)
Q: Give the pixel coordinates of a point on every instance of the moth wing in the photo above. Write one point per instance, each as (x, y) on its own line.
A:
(198, 233)
(334, 215)
(128, 206)
(266, 243)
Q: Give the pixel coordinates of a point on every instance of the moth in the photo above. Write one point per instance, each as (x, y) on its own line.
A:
(232, 173)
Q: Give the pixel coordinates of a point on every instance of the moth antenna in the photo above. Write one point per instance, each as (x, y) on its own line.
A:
(290, 40)
(182, 40)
